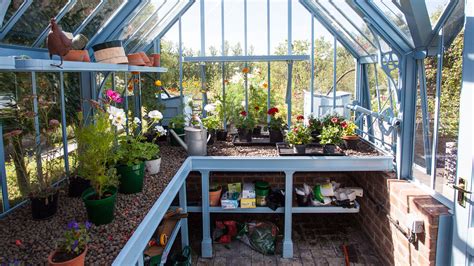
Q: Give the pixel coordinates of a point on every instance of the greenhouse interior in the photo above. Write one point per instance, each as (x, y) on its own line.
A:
(243, 132)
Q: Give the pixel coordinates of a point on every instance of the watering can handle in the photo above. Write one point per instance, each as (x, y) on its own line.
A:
(208, 137)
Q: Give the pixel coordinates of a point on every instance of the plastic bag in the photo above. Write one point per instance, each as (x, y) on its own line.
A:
(260, 236)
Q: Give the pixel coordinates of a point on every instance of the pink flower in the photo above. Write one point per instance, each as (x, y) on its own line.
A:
(53, 123)
(114, 96)
(300, 118)
(334, 120)
(243, 113)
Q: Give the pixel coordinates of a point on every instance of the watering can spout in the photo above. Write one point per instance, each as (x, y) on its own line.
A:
(178, 139)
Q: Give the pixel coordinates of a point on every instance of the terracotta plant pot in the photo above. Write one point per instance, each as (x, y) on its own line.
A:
(77, 261)
(110, 52)
(156, 60)
(135, 60)
(350, 142)
(215, 197)
(145, 58)
(77, 55)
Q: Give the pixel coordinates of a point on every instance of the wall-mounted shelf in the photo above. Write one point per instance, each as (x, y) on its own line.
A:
(147, 69)
(320, 209)
(7, 63)
(247, 58)
(41, 65)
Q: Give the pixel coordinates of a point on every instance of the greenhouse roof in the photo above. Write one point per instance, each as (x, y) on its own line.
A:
(363, 27)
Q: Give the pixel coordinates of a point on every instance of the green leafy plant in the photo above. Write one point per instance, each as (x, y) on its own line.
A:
(348, 128)
(245, 121)
(211, 122)
(75, 238)
(315, 123)
(133, 151)
(331, 134)
(299, 134)
(178, 121)
(95, 154)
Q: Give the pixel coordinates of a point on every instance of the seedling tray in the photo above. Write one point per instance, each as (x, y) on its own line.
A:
(311, 150)
(261, 140)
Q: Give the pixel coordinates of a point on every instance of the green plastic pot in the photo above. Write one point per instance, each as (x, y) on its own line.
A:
(262, 188)
(131, 178)
(99, 211)
(179, 131)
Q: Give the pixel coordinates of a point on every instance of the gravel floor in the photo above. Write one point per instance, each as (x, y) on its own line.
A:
(25, 240)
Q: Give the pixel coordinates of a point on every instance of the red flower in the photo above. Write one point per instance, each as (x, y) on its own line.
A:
(243, 113)
(256, 108)
(18, 242)
(343, 124)
(272, 111)
(334, 120)
(300, 117)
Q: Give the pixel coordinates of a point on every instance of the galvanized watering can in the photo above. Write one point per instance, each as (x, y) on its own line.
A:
(195, 139)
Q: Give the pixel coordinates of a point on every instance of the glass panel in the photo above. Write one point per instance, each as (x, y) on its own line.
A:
(342, 32)
(33, 22)
(190, 33)
(101, 18)
(351, 22)
(153, 27)
(146, 12)
(213, 27)
(435, 9)
(395, 16)
(278, 27)
(233, 26)
(81, 10)
(12, 8)
(256, 27)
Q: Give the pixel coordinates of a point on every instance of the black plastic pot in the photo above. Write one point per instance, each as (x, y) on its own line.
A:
(351, 142)
(315, 136)
(77, 185)
(257, 131)
(44, 208)
(221, 135)
(275, 135)
(245, 135)
(211, 132)
(329, 149)
(301, 200)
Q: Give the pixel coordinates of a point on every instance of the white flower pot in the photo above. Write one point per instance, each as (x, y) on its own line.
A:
(153, 166)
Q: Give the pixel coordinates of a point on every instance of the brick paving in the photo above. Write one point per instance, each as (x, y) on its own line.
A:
(317, 240)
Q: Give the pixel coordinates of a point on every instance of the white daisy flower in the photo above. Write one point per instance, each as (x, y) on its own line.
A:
(160, 130)
(137, 120)
(210, 108)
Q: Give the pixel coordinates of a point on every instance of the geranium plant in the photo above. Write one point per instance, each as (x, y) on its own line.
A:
(245, 121)
(348, 128)
(299, 134)
(276, 122)
(331, 134)
(315, 123)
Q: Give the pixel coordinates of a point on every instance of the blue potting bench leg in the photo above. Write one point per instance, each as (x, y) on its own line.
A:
(287, 242)
(206, 244)
(184, 222)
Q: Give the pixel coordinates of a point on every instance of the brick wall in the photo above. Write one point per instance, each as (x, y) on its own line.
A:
(383, 194)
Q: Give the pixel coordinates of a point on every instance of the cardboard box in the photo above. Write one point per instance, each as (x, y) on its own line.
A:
(249, 191)
(230, 200)
(248, 203)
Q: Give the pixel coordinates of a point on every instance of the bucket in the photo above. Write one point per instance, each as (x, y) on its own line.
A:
(262, 189)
